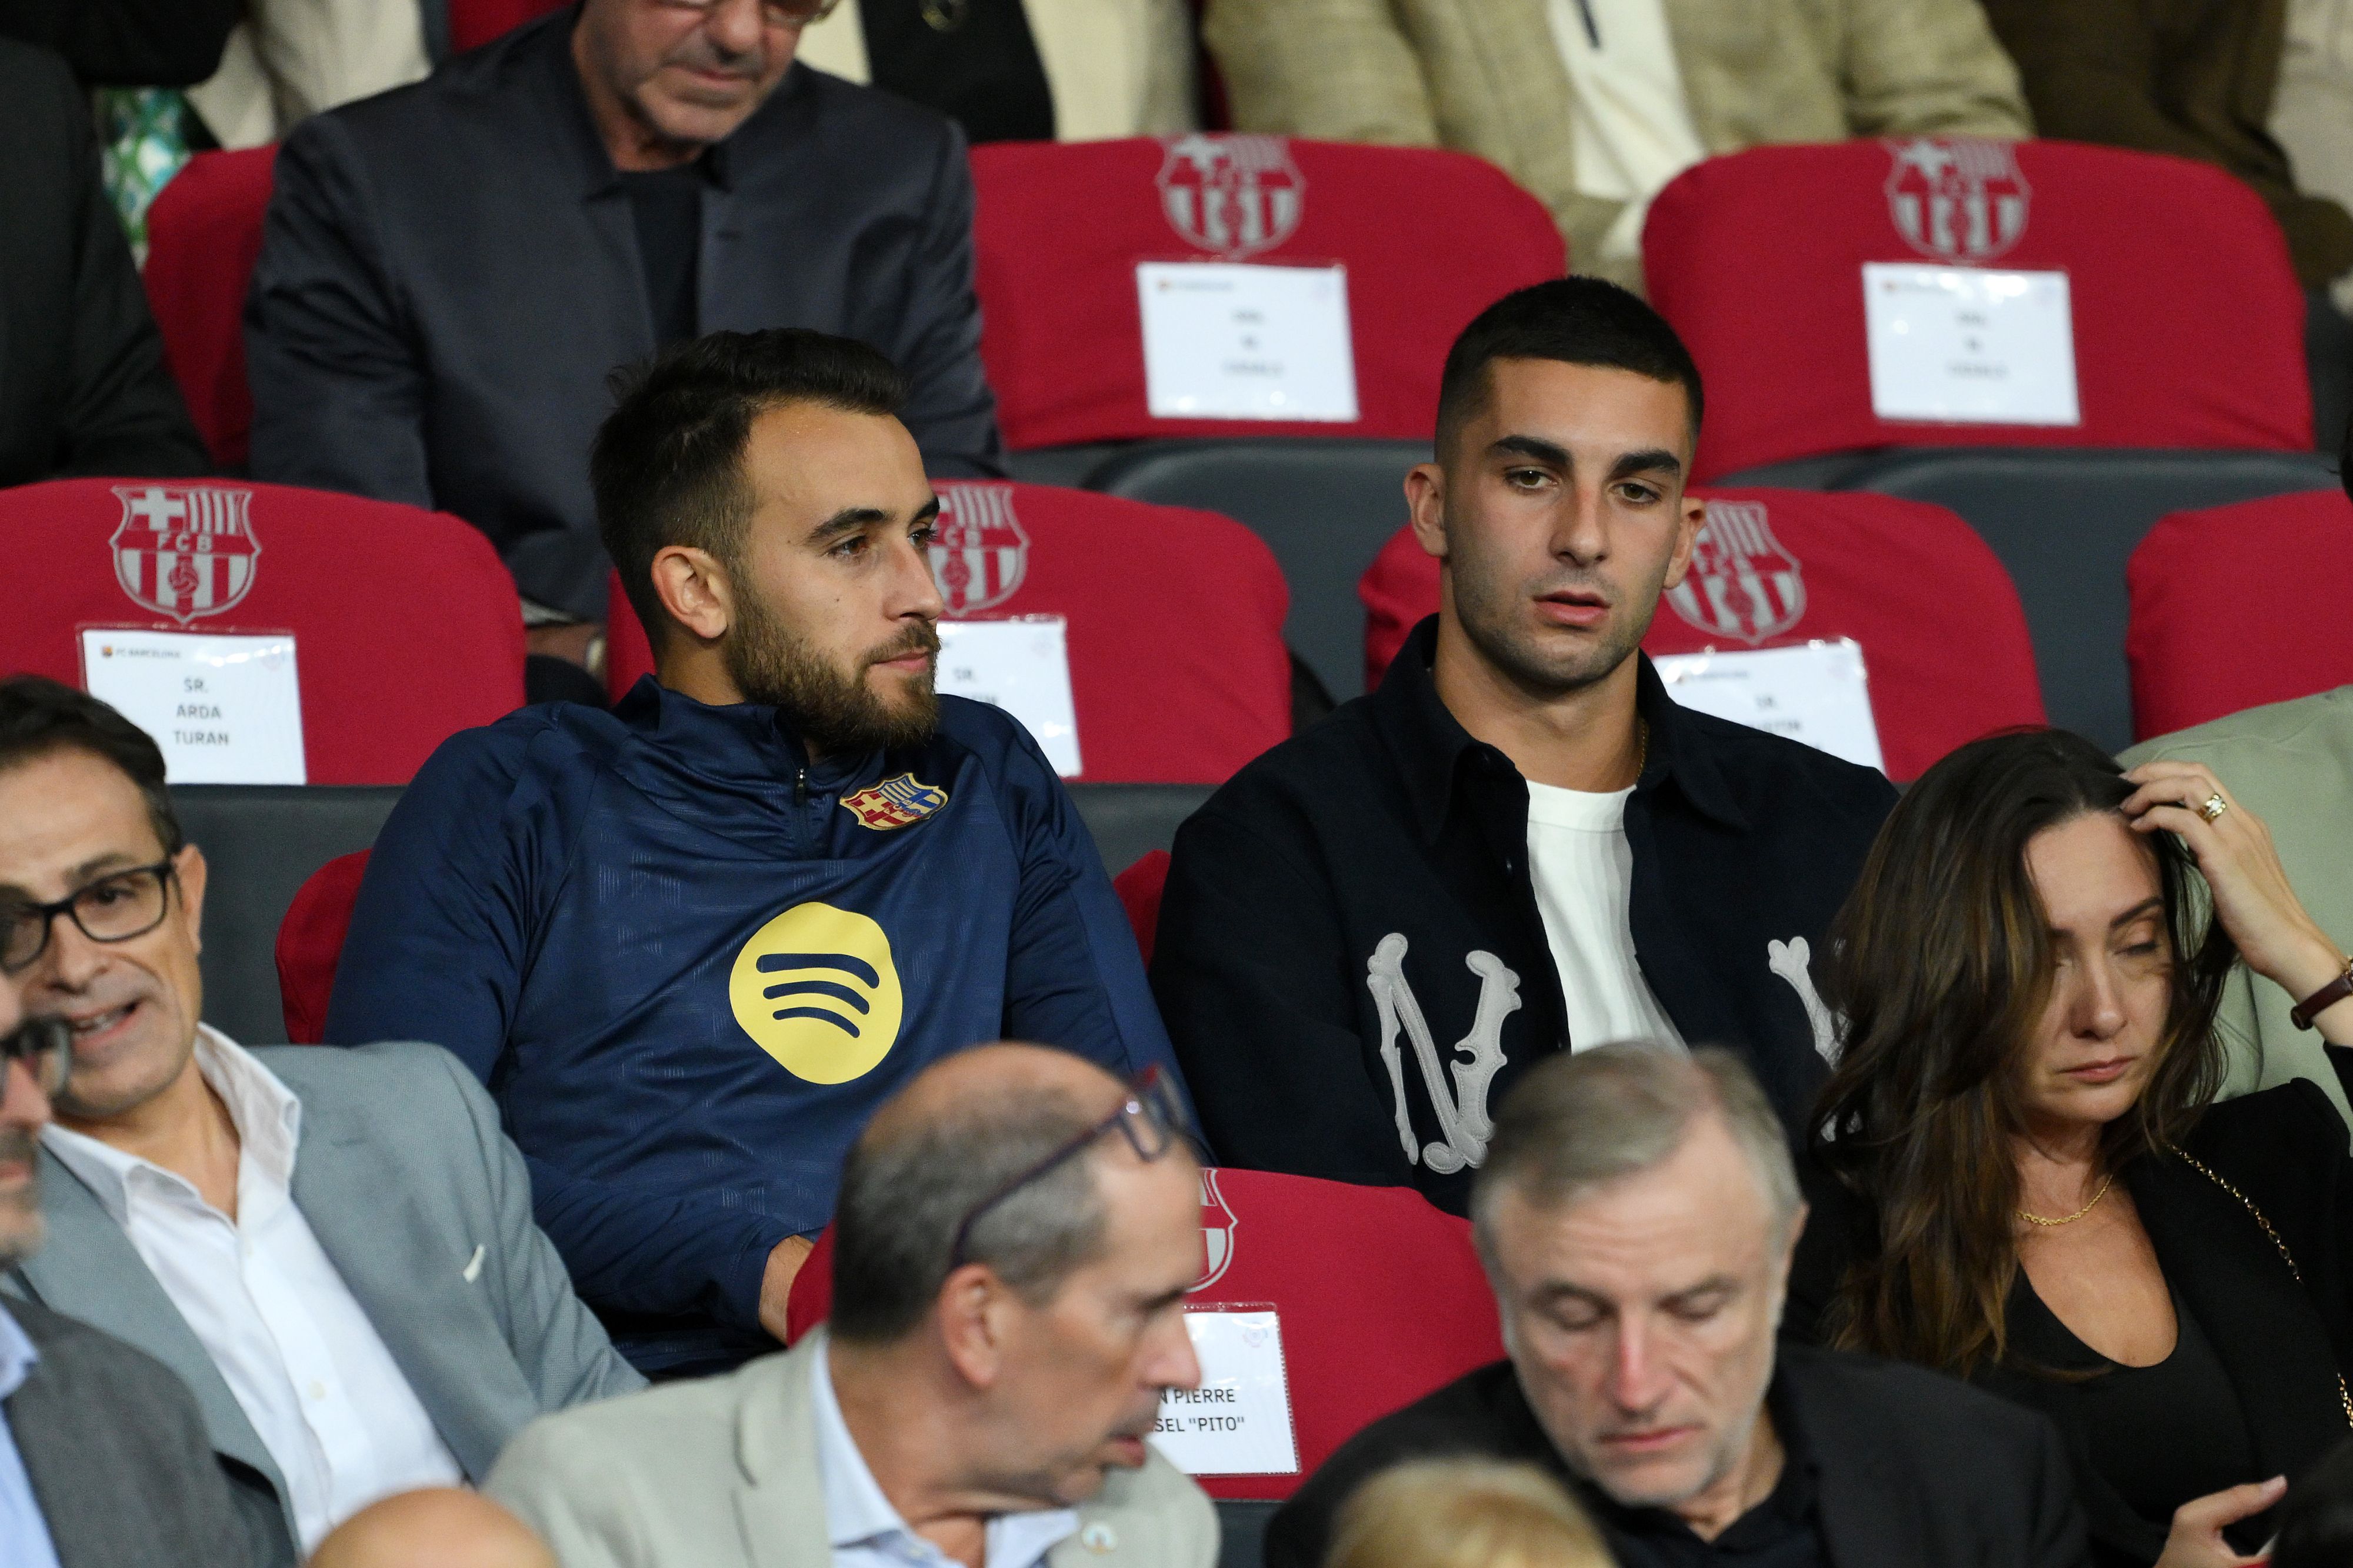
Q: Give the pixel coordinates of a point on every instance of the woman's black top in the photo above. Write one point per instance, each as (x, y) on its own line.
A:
(2279, 1334)
(972, 60)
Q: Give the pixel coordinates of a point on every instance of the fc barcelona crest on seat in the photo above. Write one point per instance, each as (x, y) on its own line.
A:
(1218, 1226)
(1234, 196)
(185, 550)
(1742, 582)
(1956, 199)
(980, 555)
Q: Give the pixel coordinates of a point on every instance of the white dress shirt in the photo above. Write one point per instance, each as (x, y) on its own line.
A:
(1629, 122)
(1584, 874)
(866, 1531)
(312, 1375)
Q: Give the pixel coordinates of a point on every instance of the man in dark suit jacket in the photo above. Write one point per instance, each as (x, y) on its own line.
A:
(451, 272)
(1637, 1214)
(83, 389)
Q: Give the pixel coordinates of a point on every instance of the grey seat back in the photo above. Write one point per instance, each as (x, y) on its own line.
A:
(1326, 508)
(1131, 820)
(1241, 1531)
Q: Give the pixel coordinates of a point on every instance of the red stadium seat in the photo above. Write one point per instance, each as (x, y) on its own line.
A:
(2237, 606)
(204, 235)
(405, 622)
(1942, 633)
(473, 23)
(1062, 228)
(2188, 320)
(310, 940)
(1139, 888)
(1381, 1297)
(1177, 668)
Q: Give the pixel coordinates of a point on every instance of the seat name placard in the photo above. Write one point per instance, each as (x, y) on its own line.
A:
(224, 709)
(1022, 666)
(1238, 1422)
(1969, 345)
(1819, 693)
(1236, 340)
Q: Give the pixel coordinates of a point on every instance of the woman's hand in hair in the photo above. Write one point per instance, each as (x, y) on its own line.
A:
(2196, 1540)
(2253, 897)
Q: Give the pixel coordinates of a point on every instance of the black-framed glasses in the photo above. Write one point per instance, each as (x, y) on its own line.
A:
(113, 908)
(1151, 1117)
(45, 1044)
(774, 13)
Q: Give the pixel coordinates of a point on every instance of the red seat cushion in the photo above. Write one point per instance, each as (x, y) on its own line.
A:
(204, 235)
(1943, 634)
(2188, 321)
(1061, 228)
(1139, 888)
(2236, 606)
(473, 23)
(310, 940)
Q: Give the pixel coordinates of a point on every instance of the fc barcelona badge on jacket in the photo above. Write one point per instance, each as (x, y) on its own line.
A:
(899, 802)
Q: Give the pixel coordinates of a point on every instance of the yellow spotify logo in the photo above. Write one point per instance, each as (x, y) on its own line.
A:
(816, 989)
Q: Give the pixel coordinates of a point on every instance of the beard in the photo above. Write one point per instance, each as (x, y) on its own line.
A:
(20, 1211)
(832, 708)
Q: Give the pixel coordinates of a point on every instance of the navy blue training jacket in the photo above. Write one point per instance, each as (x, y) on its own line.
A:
(689, 965)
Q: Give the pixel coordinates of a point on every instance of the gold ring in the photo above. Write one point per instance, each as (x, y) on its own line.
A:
(2214, 807)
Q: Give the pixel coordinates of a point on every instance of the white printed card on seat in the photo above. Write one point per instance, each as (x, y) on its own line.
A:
(1238, 1422)
(1022, 666)
(224, 709)
(1818, 692)
(1969, 345)
(1228, 340)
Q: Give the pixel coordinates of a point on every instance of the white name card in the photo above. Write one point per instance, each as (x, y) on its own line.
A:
(1237, 1423)
(1022, 666)
(1819, 693)
(1965, 345)
(1230, 341)
(226, 710)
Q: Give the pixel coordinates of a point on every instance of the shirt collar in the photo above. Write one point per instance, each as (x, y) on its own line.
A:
(18, 1354)
(265, 1112)
(1432, 744)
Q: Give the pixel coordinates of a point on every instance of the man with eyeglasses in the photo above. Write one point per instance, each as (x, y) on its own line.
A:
(334, 1249)
(1016, 1233)
(450, 271)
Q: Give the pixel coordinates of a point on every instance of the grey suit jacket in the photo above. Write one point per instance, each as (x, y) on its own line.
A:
(116, 1453)
(425, 1209)
(723, 1473)
(449, 271)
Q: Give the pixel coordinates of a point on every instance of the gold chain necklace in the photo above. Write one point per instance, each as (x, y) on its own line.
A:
(2078, 1214)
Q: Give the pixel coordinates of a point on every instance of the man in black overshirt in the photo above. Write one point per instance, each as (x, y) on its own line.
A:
(1518, 845)
(1637, 1214)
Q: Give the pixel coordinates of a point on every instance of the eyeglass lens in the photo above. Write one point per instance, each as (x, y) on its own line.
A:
(113, 908)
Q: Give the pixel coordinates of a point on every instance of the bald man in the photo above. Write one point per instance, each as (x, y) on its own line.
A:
(445, 1527)
(1016, 1234)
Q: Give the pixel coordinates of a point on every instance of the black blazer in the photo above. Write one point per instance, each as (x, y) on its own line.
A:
(2281, 1341)
(1911, 1468)
(117, 1454)
(450, 272)
(83, 389)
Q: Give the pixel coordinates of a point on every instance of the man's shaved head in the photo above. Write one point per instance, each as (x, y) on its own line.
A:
(958, 1134)
(439, 1527)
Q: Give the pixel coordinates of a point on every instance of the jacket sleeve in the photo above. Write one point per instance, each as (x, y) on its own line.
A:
(2091, 70)
(950, 410)
(576, 1494)
(338, 388)
(2059, 1539)
(557, 1341)
(121, 411)
(1343, 70)
(1931, 67)
(1250, 967)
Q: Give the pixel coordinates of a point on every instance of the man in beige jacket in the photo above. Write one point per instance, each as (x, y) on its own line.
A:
(1593, 105)
(1016, 1234)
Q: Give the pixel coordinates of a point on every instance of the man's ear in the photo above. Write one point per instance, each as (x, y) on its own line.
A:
(695, 589)
(1425, 499)
(189, 870)
(1687, 527)
(975, 1310)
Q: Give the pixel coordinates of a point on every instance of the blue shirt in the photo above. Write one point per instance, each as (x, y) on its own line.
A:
(690, 965)
(24, 1533)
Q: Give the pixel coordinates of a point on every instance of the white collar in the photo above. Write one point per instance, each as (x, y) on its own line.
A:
(265, 1112)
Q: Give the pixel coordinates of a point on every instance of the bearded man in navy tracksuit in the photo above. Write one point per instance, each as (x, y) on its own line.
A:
(691, 943)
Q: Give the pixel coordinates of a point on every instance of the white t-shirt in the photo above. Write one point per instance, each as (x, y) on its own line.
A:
(1584, 874)
(1629, 122)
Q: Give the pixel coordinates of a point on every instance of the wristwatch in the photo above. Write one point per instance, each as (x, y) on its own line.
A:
(2327, 996)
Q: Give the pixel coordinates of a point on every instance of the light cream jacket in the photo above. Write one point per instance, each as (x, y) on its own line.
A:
(1486, 76)
(722, 1472)
(1116, 68)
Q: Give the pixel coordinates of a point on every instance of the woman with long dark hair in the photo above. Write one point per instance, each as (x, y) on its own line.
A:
(2019, 1172)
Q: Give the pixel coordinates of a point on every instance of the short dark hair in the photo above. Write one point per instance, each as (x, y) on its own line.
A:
(904, 1194)
(40, 717)
(668, 465)
(1575, 320)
